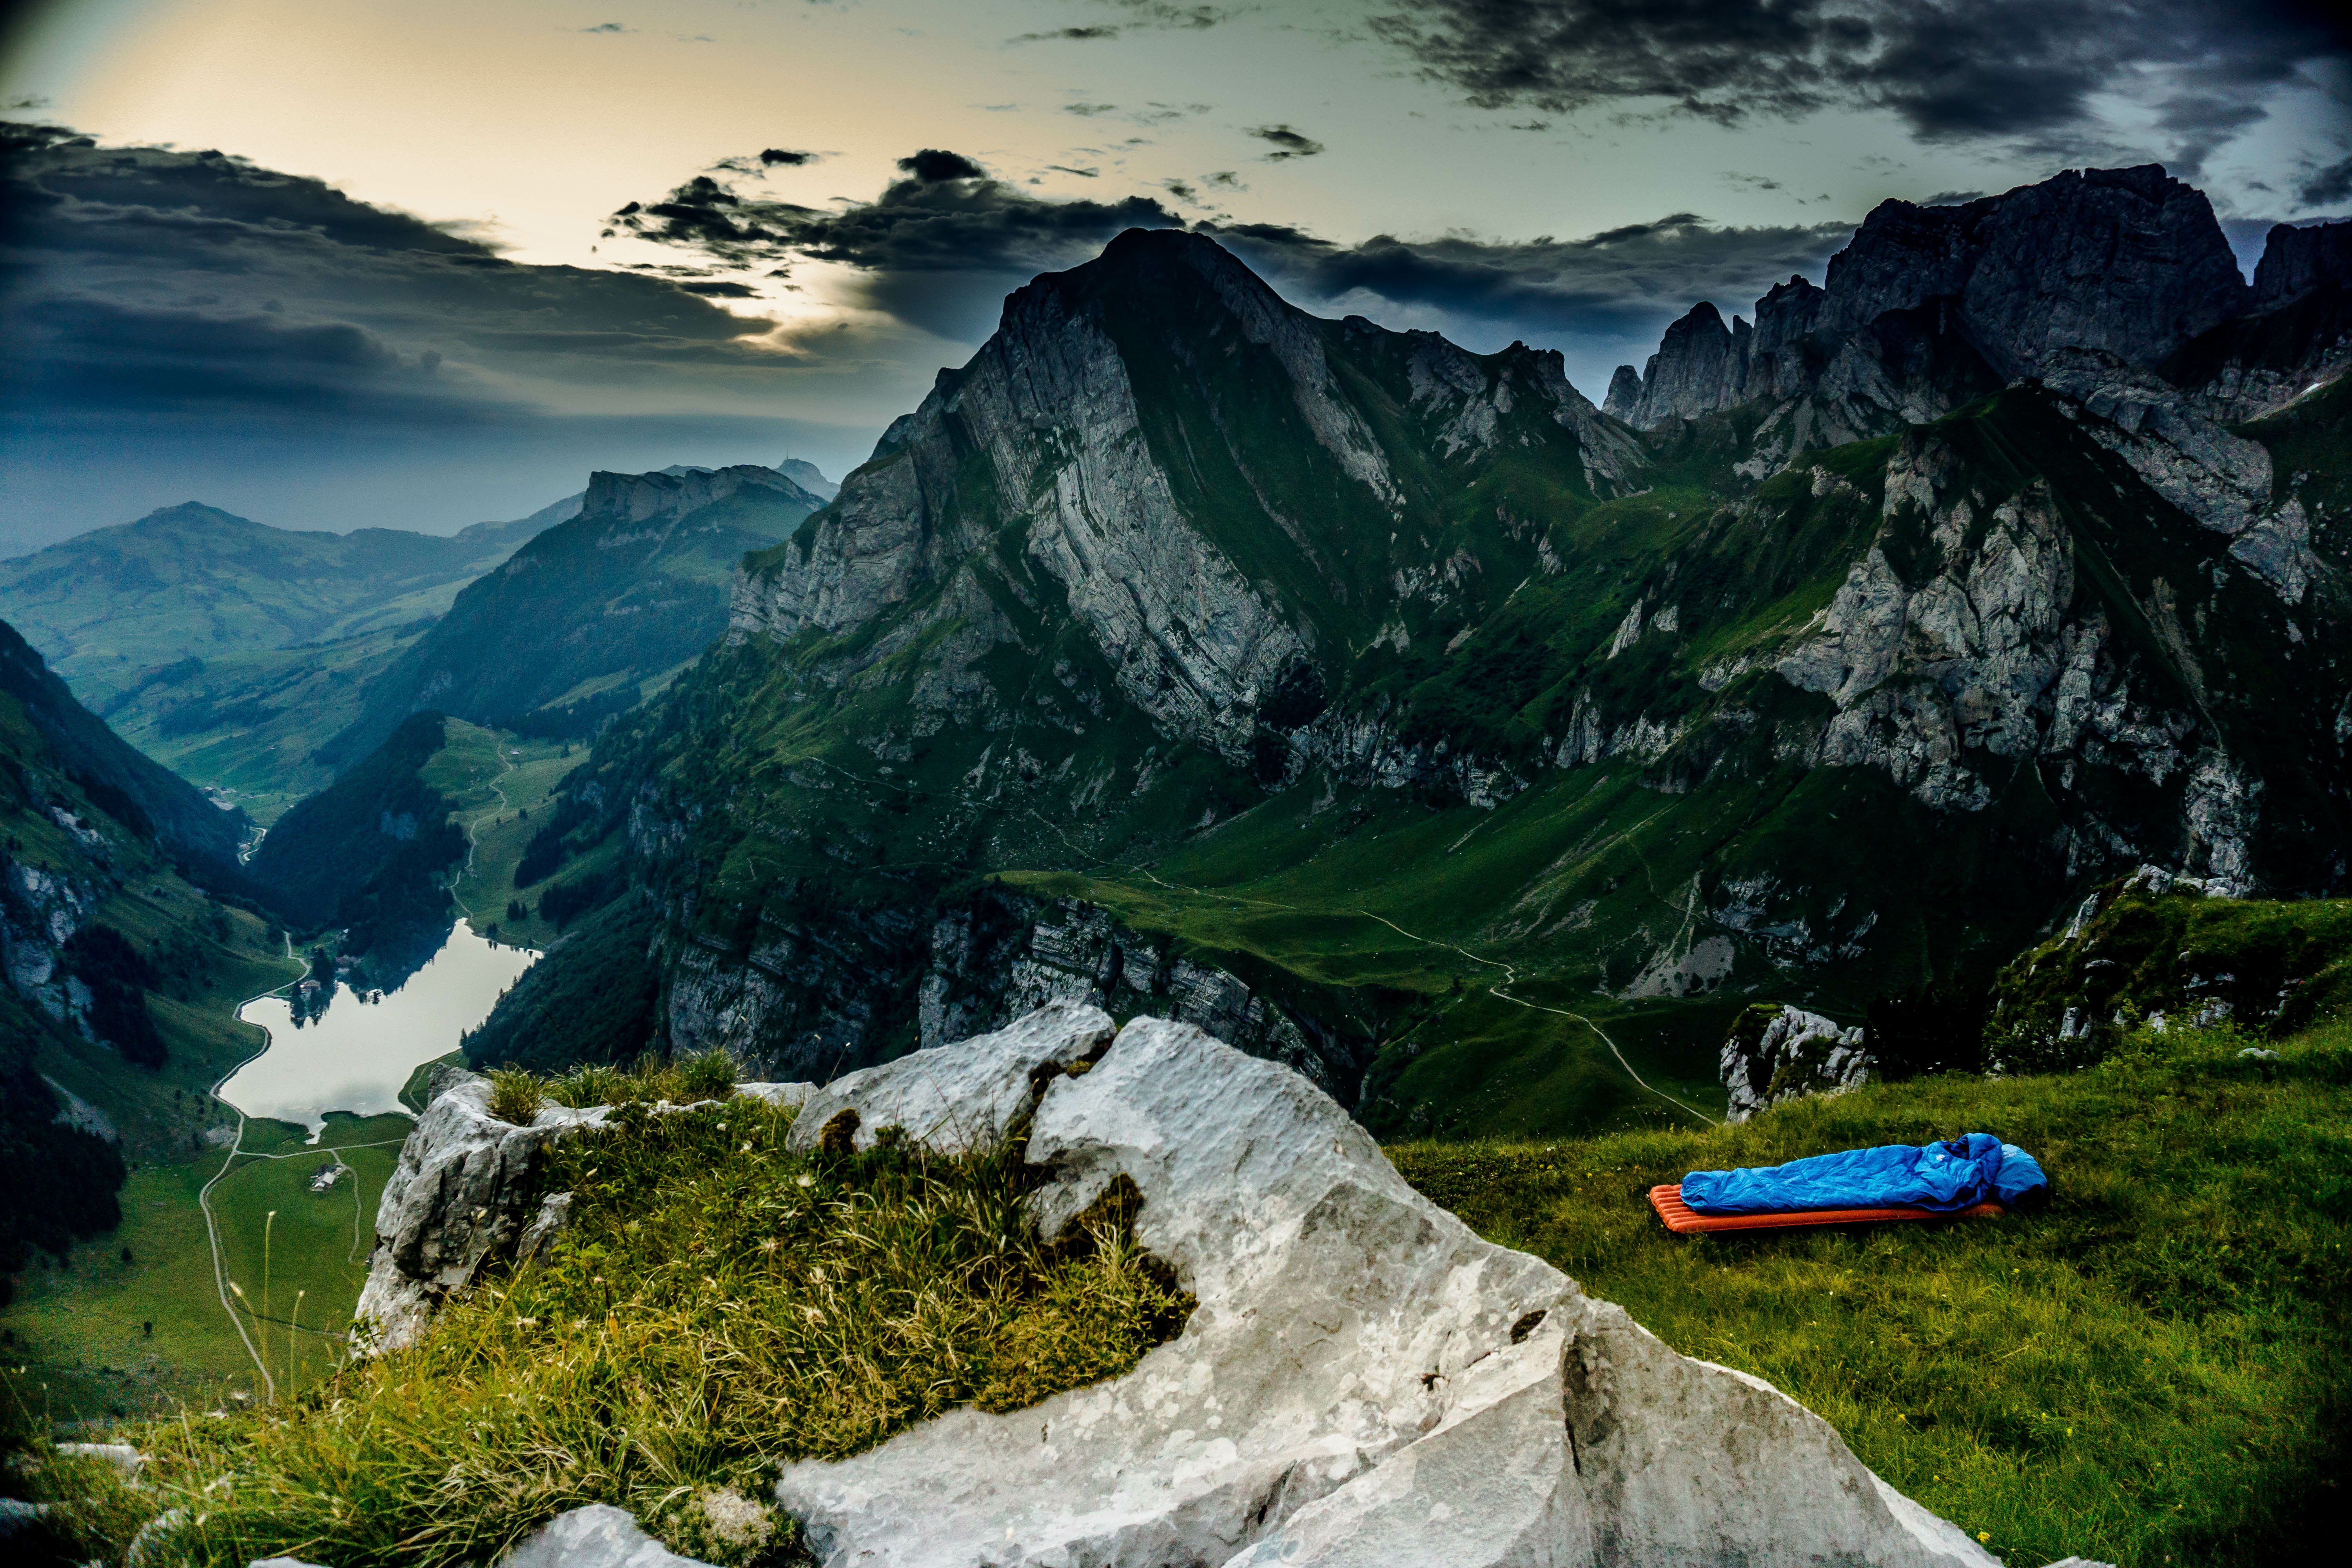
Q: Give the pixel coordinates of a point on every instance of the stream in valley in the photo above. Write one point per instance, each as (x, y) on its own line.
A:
(356, 1054)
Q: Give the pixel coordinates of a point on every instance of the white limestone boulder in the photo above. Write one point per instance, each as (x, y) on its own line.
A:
(596, 1536)
(961, 1097)
(1364, 1380)
(455, 1199)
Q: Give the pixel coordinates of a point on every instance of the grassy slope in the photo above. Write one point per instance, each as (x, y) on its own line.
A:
(495, 777)
(2151, 1369)
(249, 722)
(1580, 885)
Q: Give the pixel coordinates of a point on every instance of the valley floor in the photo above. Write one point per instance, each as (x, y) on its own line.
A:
(77, 1340)
(2151, 1369)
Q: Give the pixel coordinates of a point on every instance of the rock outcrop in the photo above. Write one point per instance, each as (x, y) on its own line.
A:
(1701, 366)
(2129, 261)
(1774, 1053)
(2298, 262)
(961, 1098)
(456, 1199)
(459, 1196)
(2163, 951)
(1364, 1380)
(1930, 306)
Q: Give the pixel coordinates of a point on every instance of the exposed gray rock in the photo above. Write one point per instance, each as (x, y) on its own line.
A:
(1928, 307)
(1624, 399)
(1774, 1053)
(596, 1536)
(1364, 1382)
(780, 1095)
(2127, 260)
(455, 1199)
(963, 1097)
(124, 1457)
(2222, 480)
(670, 495)
(2297, 262)
(1700, 366)
(553, 1218)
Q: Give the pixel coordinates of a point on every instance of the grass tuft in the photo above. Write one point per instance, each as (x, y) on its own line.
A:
(515, 1095)
(717, 1306)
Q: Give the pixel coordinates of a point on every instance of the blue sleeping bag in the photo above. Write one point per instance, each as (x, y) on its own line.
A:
(1956, 1175)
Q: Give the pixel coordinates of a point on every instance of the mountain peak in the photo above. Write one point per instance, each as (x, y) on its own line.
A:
(2130, 261)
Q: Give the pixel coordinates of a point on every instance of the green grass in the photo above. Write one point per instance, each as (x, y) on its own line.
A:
(76, 1345)
(2152, 1370)
(251, 723)
(301, 1274)
(717, 1306)
(161, 1113)
(495, 777)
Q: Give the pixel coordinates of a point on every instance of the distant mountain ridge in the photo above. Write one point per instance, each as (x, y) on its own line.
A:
(1930, 306)
(193, 581)
(563, 632)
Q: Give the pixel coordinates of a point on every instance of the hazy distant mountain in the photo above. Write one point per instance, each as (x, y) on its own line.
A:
(193, 582)
(230, 650)
(566, 632)
(805, 475)
(1391, 710)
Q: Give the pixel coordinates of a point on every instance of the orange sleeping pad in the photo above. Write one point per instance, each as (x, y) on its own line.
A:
(1667, 1199)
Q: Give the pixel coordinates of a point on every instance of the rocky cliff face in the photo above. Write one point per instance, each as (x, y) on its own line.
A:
(1929, 307)
(2129, 261)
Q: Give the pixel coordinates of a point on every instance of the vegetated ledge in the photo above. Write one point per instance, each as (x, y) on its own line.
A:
(1358, 1378)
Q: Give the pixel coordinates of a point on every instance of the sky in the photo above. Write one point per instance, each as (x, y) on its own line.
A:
(425, 264)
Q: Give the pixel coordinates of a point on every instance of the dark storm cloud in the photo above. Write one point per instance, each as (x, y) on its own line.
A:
(136, 278)
(1620, 285)
(1954, 69)
(178, 325)
(1285, 142)
(1068, 36)
(1143, 16)
(771, 156)
(2331, 186)
(932, 166)
(939, 248)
